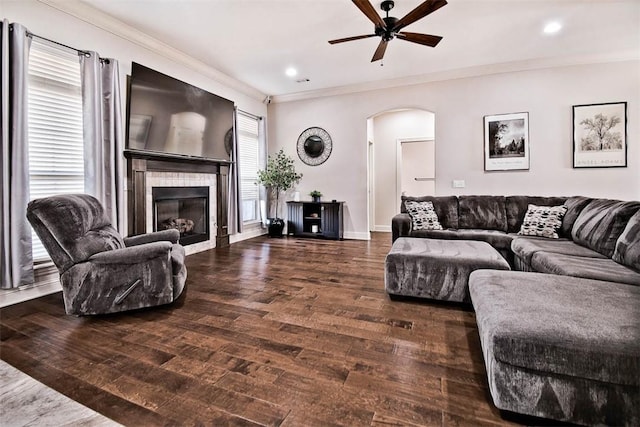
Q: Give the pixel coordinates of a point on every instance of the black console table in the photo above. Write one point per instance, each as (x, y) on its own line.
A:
(315, 219)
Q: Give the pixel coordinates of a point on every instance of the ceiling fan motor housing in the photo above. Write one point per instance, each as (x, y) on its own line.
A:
(387, 33)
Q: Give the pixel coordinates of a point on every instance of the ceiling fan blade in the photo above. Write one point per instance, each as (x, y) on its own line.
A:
(419, 12)
(367, 8)
(348, 39)
(379, 54)
(424, 39)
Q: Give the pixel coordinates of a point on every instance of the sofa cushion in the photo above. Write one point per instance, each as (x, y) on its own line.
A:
(526, 247)
(482, 212)
(446, 208)
(516, 207)
(601, 222)
(562, 325)
(588, 268)
(627, 250)
(574, 206)
(543, 221)
(497, 239)
(423, 216)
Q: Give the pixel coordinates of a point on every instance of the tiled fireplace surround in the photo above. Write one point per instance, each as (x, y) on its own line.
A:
(184, 179)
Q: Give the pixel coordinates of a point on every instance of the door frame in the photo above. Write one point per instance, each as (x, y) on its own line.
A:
(371, 197)
(399, 143)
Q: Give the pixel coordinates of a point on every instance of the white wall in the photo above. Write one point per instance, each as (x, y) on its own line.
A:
(387, 129)
(459, 106)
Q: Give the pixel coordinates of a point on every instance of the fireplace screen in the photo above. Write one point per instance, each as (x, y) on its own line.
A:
(184, 208)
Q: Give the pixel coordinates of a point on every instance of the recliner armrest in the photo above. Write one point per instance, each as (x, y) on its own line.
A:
(133, 255)
(171, 235)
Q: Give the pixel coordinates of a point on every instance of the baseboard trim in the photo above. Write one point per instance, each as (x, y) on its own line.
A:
(356, 235)
(25, 293)
(383, 228)
(250, 234)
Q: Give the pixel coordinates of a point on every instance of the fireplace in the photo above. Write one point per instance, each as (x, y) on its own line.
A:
(184, 208)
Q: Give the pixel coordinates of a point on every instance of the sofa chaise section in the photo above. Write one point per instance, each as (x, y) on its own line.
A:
(560, 347)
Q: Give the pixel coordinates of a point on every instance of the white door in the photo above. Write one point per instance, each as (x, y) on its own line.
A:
(416, 167)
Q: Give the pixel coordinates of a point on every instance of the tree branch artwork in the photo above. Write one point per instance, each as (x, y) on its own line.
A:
(599, 133)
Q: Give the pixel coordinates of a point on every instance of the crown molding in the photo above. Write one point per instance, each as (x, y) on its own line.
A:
(477, 71)
(118, 28)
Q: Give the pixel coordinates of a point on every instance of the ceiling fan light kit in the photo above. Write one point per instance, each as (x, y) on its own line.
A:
(388, 28)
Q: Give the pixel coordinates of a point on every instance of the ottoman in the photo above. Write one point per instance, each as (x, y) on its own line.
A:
(560, 347)
(437, 269)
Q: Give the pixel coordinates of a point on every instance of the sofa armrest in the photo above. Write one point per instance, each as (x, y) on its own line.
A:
(400, 226)
(171, 235)
(133, 255)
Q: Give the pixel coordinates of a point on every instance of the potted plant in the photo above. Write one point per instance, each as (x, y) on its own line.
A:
(279, 175)
(316, 195)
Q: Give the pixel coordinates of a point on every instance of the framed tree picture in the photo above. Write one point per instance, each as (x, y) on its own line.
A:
(506, 142)
(600, 135)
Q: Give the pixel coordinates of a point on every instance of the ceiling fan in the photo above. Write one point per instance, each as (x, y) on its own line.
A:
(389, 27)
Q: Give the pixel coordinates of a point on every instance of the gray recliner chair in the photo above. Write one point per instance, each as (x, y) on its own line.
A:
(100, 271)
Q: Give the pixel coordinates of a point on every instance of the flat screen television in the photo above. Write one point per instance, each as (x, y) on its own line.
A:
(166, 115)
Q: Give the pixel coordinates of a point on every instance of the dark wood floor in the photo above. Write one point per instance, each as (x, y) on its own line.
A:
(270, 332)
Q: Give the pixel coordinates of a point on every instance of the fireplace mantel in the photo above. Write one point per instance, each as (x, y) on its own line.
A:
(141, 162)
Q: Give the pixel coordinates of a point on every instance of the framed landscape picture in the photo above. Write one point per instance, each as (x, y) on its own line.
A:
(506, 142)
(600, 135)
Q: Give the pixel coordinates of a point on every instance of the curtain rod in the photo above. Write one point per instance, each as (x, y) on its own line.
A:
(82, 52)
(253, 116)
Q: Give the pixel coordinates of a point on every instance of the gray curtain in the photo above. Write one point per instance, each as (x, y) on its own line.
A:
(16, 259)
(235, 203)
(103, 134)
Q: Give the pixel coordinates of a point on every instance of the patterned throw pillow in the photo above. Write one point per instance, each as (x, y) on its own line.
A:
(423, 216)
(543, 221)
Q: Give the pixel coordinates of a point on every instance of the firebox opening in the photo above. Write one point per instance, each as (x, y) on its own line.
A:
(184, 208)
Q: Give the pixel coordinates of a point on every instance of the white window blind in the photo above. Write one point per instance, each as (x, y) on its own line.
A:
(249, 164)
(56, 154)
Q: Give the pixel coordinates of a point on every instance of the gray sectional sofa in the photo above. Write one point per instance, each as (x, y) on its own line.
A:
(560, 334)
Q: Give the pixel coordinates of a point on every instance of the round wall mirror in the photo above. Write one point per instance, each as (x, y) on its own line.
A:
(314, 146)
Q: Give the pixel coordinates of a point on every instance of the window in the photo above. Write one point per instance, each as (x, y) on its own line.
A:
(249, 164)
(56, 153)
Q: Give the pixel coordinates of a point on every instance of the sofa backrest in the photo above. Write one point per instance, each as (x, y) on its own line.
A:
(446, 208)
(574, 206)
(600, 224)
(483, 212)
(516, 207)
(627, 251)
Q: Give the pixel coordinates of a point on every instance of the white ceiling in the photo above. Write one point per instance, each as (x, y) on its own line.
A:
(254, 41)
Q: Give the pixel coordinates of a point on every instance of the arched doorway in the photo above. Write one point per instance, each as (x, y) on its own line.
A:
(399, 140)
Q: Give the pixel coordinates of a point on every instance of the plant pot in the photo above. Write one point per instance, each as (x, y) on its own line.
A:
(276, 225)
(316, 199)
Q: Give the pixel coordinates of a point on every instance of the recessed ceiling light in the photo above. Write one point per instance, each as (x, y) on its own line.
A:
(291, 72)
(552, 27)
